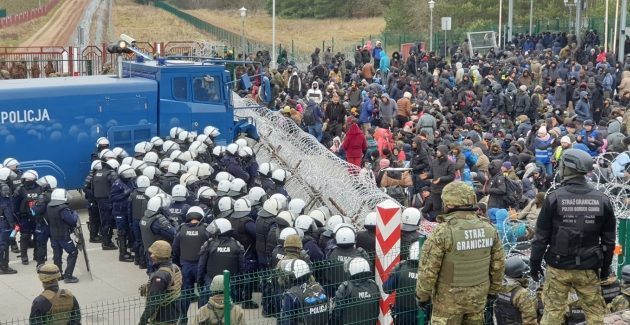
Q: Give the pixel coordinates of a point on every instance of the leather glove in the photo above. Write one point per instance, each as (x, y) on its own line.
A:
(535, 270)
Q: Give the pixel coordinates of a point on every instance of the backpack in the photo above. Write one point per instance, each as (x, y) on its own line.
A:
(514, 193)
(313, 303)
(397, 193)
(308, 118)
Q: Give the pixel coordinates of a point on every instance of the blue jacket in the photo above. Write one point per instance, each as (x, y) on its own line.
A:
(265, 90)
(367, 107)
(119, 196)
(583, 108)
(232, 166)
(544, 150)
(377, 53)
(384, 64)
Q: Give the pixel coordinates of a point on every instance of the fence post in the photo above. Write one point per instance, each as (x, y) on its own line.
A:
(388, 219)
(621, 242)
(421, 312)
(292, 51)
(227, 297)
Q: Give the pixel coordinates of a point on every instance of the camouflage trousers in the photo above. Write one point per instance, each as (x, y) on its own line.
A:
(558, 284)
(459, 305)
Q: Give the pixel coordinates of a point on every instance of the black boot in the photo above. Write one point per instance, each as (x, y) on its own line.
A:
(94, 237)
(72, 261)
(14, 247)
(24, 243)
(4, 263)
(123, 255)
(108, 246)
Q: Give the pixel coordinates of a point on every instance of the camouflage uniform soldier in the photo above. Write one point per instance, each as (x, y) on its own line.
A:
(452, 258)
(514, 305)
(622, 301)
(575, 233)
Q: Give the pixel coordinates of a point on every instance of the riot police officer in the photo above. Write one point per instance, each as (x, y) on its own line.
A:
(230, 163)
(119, 196)
(179, 208)
(171, 178)
(25, 197)
(206, 198)
(575, 233)
(245, 233)
(164, 288)
(186, 247)
(7, 221)
(54, 305)
(154, 225)
(453, 254)
(101, 187)
(256, 196)
(248, 162)
(62, 222)
(289, 247)
(264, 176)
(410, 224)
(279, 177)
(281, 222)
(306, 224)
(138, 204)
(222, 252)
(342, 251)
(102, 143)
(514, 305)
(48, 184)
(305, 302)
(403, 280)
(356, 300)
(265, 220)
(328, 235)
(94, 222)
(366, 238)
(14, 181)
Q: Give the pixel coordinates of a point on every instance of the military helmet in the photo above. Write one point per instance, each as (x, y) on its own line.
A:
(48, 273)
(293, 240)
(161, 249)
(516, 268)
(216, 286)
(578, 160)
(458, 194)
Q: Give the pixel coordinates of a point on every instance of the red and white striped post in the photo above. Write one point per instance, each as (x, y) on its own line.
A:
(387, 252)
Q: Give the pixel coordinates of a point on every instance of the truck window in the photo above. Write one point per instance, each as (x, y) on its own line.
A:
(206, 89)
(180, 89)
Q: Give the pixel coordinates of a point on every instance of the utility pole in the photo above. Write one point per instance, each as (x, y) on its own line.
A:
(578, 21)
(273, 35)
(510, 19)
(622, 33)
(500, 22)
(531, 18)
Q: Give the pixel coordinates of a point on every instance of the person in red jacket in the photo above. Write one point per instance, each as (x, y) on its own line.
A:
(354, 145)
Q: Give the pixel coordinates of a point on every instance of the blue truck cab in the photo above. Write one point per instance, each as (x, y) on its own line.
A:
(51, 125)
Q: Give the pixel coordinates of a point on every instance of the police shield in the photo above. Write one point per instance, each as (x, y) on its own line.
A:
(80, 242)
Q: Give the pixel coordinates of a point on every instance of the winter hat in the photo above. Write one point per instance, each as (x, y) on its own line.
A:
(407, 95)
(523, 118)
(588, 122)
(384, 163)
(507, 165)
(565, 139)
(523, 88)
(543, 130)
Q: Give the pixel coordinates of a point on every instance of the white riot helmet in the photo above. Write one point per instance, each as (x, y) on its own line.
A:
(225, 206)
(30, 175)
(345, 235)
(204, 170)
(185, 136)
(205, 140)
(4, 173)
(242, 208)
(219, 226)
(179, 193)
(182, 156)
(241, 143)
(206, 192)
(11, 163)
(211, 131)
(142, 147)
(166, 199)
(191, 164)
(256, 195)
(238, 187)
(174, 132)
(279, 175)
(414, 251)
(164, 163)
(120, 152)
(138, 165)
(324, 209)
(143, 182)
(357, 265)
(188, 179)
(218, 151)
(151, 158)
(151, 172)
(174, 168)
(58, 197)
(157, 141)
(127, 161)
(370, 220)
(223, 187)
(100, 143)
(126, 172)
(286, 218)
(281, 198)
(96, 165)
(232, 149)
(113, 164)
(152, 191)
(223, 176)
(265, 169)
(318, 217)
(288, 231)
(410, 220)
(270, 208)
(155, 203)
(106, 154)
(47, 181)
(169, 146)
(194, 213)
(297, 268)
(197, 147)
(297, 206)
(304, 222)
(333, 222)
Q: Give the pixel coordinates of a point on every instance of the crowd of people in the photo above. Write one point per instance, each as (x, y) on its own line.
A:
(470, 146)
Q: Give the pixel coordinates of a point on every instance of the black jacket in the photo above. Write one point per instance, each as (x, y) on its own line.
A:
(442, 168)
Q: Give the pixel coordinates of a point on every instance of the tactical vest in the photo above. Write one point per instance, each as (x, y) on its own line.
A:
(575, 316)
(61, 304)
(335, 273)
(58, 228)
(610, 291)
(191, 238)
(577, 229)
(177, 212)
(148, 237)
(240, 233)
(504, 310)
(16, 182)
(224, 254)
(101, 185)
(406, 239)
(361, 305)
(138, 204)
(174, 289)
(472, 244)
(367, 240)
(313, 304)
(407, 279)
(29, 198)
(263, 224)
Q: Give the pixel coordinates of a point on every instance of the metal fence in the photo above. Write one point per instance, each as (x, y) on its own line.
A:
(28, 15)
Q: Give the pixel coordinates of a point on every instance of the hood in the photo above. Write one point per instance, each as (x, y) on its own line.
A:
(458, 65)
(477, 151)
(583, 94)
(443, 149)
(354, 130)
(385, 95)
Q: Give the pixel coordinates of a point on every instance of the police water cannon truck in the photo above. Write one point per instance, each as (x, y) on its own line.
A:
(52, 124)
